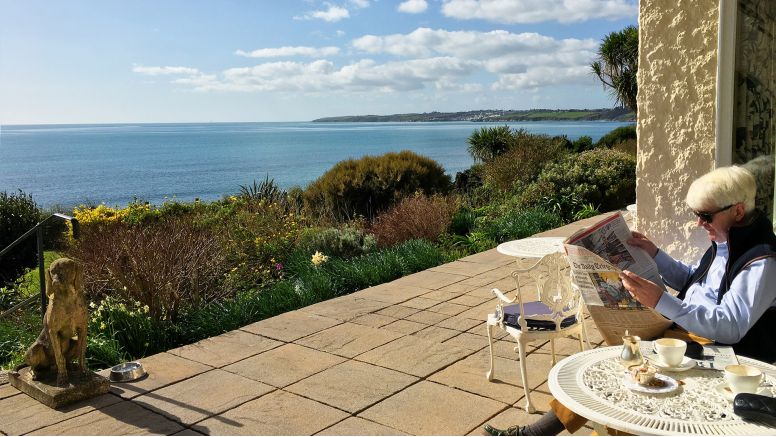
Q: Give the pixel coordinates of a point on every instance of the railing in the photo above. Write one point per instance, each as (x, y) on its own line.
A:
(38, 231)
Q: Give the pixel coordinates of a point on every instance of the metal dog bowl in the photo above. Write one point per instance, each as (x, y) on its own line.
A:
(127, 372)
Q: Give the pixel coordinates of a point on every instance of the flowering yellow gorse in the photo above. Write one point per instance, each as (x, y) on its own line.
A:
(319, 258)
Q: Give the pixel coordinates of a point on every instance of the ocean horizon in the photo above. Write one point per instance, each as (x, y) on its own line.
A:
(67, 165)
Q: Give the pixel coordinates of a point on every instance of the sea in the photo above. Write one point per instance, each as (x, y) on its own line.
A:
(69, 165)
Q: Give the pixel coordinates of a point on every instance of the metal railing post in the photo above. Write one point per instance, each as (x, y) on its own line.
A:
(41, 273)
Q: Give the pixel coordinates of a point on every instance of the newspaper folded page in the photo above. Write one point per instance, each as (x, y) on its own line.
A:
(597, 256)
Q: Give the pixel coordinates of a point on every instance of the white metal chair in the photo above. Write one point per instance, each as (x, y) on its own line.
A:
(557, 312)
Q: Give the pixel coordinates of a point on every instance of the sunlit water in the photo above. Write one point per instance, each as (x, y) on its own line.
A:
(72, 164)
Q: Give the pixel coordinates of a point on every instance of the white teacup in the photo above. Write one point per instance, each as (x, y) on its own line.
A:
(742, 378)
(670, 350)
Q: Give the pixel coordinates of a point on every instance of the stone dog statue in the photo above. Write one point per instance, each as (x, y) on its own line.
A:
(63, 337)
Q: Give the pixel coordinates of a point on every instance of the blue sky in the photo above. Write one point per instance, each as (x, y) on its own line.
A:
(294, 60)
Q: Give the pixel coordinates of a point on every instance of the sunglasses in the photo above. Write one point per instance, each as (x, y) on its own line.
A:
(707, 217)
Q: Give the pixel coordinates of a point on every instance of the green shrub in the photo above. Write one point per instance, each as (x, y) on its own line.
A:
(462, 221)
(266, 191)
(602, 177)
(582, 143)
(346, 242)
(17, 333)
(18, 214)
(129, 324)
(516, 224)
(487, 143)
(622, 133)
(628, 146)
(414, 218)
(370, 185)
(527, 155)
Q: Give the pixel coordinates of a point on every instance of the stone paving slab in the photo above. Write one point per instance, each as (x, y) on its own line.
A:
(392, 292)
(449, 309)
(414, 355)
(397, 311)
(471, 301)
(489, 257)
(420, 303)
(436, 334)
(430, 280)
(345, 308)
(405, 326)
(427, 317)
(163, 369)
(469, 341)
(22, 414)
(352, 386)
(464, 268)
(226, 348)
(374, 320)
(359, 426)
(469, 375)
(7, 390)
(202, 396)
(348, 339)
(291, 326)
(278, 413)
(460, 323)
(427, 408)
(188, 432)
(284, 365)
(125, 418)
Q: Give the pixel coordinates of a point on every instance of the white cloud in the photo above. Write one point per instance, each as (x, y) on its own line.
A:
(290, 51)
(360, 3)
(426, 59)
(340, 33)
(499, 51)
(332, 14)
(161, 71)
(544, 76)
(413, 6)
(535, 11)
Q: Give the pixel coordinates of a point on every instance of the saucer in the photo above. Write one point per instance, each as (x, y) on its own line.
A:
(728, 394)
(686, 364)
(669, 384)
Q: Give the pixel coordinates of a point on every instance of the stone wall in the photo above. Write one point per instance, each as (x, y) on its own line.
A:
(677, 92)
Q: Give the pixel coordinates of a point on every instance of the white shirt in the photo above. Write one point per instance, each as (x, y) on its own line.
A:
(751, 293)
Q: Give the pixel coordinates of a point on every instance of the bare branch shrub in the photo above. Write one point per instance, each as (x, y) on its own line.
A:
(166, 265)
(416, 217)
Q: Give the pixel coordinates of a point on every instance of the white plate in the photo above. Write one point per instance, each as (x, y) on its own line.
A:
(686, 364)
(670, 384)
(728, 394)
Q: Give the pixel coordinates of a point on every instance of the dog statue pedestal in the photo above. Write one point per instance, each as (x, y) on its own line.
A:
(46, 391)
(48, 374)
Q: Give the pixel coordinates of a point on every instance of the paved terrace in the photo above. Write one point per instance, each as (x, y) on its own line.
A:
(403, 358)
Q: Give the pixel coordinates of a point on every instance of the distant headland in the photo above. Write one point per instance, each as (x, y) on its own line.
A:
(495, 115)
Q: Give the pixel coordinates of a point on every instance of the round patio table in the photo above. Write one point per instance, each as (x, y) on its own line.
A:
(590, 384)
(534, 247)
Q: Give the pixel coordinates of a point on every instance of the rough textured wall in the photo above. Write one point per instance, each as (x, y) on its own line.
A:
(677, 91)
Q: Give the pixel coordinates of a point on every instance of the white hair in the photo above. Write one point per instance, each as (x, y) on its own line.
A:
(722, 187)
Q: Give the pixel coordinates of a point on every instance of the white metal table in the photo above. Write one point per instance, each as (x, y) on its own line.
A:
(534, 247)
(590, 384)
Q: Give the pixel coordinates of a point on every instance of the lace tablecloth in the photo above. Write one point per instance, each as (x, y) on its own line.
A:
(590, 383)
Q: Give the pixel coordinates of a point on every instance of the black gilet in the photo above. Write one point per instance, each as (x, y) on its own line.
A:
(746, 244)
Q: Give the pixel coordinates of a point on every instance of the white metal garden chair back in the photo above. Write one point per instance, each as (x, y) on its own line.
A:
(553, 310)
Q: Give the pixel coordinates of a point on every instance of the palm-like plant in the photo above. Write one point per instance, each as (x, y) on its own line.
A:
(488, 142)
(617, 65)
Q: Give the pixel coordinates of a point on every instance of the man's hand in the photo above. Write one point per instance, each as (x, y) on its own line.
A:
(640, 240)
(646, 292)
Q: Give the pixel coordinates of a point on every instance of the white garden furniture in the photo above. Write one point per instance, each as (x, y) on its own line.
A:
(554, 311)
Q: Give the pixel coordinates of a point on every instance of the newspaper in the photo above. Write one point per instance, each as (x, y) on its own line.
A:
(597, 256)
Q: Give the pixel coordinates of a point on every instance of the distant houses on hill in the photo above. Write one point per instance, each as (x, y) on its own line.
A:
(495, 115)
